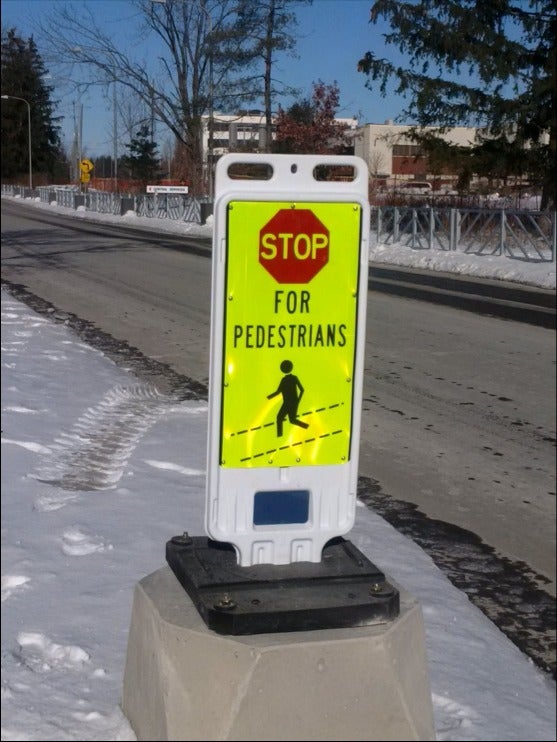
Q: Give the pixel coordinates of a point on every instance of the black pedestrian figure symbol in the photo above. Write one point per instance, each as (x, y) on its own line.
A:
(291, 391)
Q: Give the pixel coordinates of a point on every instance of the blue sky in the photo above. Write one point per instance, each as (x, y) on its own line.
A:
(332, 36)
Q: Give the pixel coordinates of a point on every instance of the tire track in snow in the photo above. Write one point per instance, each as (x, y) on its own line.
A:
(93, 455)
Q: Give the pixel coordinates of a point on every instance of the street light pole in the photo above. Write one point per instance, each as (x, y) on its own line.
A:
(14, 97)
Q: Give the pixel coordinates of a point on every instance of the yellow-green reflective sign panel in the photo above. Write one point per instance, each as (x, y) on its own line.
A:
(290, 323)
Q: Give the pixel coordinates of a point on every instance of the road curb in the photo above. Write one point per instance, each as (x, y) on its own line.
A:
(486, 296)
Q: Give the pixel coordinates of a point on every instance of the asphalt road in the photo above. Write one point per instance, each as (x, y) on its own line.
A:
(458, 427)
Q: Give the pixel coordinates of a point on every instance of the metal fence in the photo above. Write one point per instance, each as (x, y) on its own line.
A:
(169, 206)
(524, 235)
(520, 234)
(107, 203)
(178, 207)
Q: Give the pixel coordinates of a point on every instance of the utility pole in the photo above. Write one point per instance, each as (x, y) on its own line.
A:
(115, 136)
(210, 126)
(211, 107)
(79, 143)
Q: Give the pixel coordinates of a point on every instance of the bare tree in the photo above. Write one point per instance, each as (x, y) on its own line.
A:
(211, 53)
(132, 114)
(376, 162)
(179, 86)
(262, 30)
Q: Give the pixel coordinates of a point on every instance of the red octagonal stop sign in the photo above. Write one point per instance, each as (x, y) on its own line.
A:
(294, 246)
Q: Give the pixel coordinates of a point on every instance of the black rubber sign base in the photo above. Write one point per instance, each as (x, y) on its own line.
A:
(344, 590)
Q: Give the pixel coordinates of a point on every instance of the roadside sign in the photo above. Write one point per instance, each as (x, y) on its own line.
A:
(166, 189)
(289, 356)
(287, 342)
(86, 167)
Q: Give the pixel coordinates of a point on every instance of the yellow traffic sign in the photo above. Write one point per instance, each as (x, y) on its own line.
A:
(86, 166)
(290, 323)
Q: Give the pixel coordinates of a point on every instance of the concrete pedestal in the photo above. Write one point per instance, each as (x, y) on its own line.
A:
(183, 681)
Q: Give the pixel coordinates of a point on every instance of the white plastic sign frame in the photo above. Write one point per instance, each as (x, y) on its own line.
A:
(281, 476)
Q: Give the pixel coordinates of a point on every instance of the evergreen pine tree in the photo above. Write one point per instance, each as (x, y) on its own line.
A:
(143, 162)
(249, 46)
(23, 74)
(478, 62)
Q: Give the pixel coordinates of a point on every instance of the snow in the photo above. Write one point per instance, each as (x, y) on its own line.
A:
(99, 471)
(514, 270)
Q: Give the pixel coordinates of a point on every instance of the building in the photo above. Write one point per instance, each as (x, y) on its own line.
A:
(393, 157)
(243, 132)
